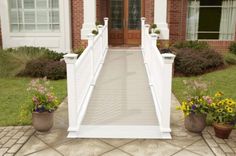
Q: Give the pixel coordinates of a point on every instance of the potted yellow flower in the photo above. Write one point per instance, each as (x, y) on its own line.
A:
(223, 111)
(195, 107)
(44, 103)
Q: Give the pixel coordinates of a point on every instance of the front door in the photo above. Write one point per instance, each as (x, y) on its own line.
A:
(125, 23)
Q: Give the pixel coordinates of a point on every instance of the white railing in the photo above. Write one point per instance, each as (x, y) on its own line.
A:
(82, 74)
(159, 69)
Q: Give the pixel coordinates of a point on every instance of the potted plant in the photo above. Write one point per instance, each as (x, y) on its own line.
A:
(153, 27)
(158, 32)
(195, 107)
(223, 112)
(43, 105)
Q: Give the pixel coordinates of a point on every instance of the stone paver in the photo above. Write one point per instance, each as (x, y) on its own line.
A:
(12, 138)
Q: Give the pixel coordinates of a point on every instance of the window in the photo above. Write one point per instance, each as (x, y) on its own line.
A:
(211, 19)
(34, 15)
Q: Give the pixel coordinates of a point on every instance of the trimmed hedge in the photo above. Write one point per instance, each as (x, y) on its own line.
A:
(51, 69)
(56, 70)
(191, 62)
(198, 45)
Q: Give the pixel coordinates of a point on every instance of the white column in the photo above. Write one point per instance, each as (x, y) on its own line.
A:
(160, 18)
(89, 18)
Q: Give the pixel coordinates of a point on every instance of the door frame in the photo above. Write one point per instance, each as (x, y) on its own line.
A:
(125, 19)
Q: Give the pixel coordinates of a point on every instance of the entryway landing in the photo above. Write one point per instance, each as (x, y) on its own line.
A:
(121, 105)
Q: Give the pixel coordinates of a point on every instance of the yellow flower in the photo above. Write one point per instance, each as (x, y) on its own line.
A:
(218, 94)
(230, 110)
(219, 110)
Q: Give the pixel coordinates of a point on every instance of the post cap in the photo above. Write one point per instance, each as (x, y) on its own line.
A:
(70, 58)
(106, 18)
(168, 58)
(143, 18)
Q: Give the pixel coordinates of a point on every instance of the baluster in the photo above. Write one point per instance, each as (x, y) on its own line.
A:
(91, 44)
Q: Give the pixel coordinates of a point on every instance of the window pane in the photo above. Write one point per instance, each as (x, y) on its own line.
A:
(13, 17)
(208, 35)
(12, 4)
(55, 27)
(14, 27)
(42, 16)
(54, 16)
(29, 4)
(134, 14)
(54, 4)
(42, 27)
(209, 19)
(29, 16)
(210, 2)
(41, 4)
(30, 27)
(19, 3)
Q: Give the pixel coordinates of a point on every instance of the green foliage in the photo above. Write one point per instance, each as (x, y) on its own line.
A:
(12, 61)
(190, 62)
(79, 50)
(198, 45)
(153, 26)
(157, 31)
(56, 70)
(230, 58)
(232, 48)
(95, 32)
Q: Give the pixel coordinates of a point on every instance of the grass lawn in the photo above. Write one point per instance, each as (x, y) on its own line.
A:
(13, 94)
(223, 80)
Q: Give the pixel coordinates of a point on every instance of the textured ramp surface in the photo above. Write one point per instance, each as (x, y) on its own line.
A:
(122, 95)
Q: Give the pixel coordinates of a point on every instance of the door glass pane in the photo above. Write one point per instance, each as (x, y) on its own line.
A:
(116, 14)
(134, 21)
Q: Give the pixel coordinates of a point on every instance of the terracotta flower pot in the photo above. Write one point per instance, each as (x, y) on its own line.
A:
(42, 122)
(222, 130)
(195, 122)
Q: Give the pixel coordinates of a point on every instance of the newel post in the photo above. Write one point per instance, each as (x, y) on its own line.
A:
(145, 39)
(106, 31)
(168, 60)
(91, 44)
(142, 31)
(70, 60)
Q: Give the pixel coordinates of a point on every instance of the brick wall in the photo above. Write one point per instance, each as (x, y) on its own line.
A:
(177, 15)
(77, 21)
(149, 11)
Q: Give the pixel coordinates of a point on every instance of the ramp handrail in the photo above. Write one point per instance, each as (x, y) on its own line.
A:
(159, 69)
(82, 74)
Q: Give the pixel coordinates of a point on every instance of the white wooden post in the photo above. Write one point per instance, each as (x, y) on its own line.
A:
(166, 96)
(106, 30)
(101, 39)
(142, 31)
(146, 32)
(90, 43)
(70, 60)
(154, 39)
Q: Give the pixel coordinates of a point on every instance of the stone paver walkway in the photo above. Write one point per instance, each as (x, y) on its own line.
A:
(12, 138)
(183, 143)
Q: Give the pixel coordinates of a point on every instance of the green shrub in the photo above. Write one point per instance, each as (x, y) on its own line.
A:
(232, 48)
(56, 70)
(13, 60)
(191, 62)
(198, 45)
(35, 68)
(230, 58)
(79, 50)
